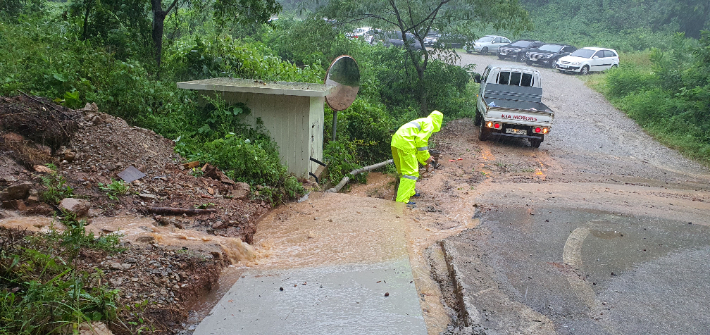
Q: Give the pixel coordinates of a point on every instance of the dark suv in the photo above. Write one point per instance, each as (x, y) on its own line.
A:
(548, 54)
(517, 49)
(394, 38)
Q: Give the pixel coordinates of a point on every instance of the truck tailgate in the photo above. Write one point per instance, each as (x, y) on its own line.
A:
(524, 117)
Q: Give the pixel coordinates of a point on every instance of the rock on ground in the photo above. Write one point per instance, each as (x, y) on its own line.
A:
(79, 207)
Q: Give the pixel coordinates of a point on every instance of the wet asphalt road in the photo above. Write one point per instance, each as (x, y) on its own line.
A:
(568, 271)
(612, 239)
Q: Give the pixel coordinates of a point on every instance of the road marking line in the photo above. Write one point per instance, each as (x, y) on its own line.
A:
(572, 256)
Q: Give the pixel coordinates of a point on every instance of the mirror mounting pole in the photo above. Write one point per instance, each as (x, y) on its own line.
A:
(335, 123)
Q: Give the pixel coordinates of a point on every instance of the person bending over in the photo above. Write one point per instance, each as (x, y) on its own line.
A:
(410, 144)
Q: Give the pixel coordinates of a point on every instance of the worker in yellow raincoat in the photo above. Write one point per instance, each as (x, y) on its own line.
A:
(410, 144)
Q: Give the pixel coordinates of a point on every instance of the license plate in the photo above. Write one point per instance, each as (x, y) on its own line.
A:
(516, 131)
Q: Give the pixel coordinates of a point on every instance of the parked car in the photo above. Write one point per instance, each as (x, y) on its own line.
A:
(588, 59)
(486, 44)
(548, 54)
(431, 38)
(453, 40)
(364, 33)
(394, 38)
(517, 49)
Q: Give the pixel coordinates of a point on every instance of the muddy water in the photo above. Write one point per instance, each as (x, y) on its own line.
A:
(139, 230)
(314, 232)
(434, 218)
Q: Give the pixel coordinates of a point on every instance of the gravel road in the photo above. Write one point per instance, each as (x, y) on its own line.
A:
(592, 136)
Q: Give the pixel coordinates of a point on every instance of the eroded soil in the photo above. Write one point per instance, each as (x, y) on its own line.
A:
(171, 260)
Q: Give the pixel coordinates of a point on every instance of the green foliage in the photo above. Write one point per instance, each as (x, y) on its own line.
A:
(224, 56)
(40, 290)
(11, 9)
(57, 187)
(48, 59)
(368, 128)
(124, 26)
(629, 80)
(243, 159)
(75, 237)
(623, 25)
(102, 52)
(293, 188)
(312, 41)
(205, 205)
(340, 157)
(114, 189)
(671, 99)
(448, 90)
(418, 18)
(197, 172)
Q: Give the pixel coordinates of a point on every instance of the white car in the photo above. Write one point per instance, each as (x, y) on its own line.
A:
(486, 44)
(588, 59)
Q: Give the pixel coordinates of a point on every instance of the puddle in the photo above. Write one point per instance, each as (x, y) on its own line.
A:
(617, 247)
(30, 223)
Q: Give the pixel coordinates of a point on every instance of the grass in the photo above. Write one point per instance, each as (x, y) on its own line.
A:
(56, 187)
(114, 189)
(632, 103)
(41, 289)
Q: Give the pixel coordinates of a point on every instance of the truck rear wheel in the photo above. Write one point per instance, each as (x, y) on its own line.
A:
(484, 132)
(477, 119)
(535, 142)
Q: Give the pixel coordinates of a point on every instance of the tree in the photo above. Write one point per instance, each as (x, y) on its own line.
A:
(103, 17)
(414, 19)
(235, 11)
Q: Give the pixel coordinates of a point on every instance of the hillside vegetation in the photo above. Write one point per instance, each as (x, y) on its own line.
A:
(625, 25)
(667, 92)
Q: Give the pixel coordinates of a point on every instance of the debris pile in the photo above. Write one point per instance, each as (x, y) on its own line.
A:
(110, 168)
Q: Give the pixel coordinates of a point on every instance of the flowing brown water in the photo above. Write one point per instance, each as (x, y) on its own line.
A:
(326, 229)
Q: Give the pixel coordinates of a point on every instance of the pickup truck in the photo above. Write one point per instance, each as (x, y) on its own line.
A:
(509, 104)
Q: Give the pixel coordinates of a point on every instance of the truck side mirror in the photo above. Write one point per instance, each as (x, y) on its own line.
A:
(595, 57)
(477, 78)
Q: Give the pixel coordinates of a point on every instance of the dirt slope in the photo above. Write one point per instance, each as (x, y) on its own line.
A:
(171, 259)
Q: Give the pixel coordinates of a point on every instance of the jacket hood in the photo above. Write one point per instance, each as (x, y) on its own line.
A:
(436, 118)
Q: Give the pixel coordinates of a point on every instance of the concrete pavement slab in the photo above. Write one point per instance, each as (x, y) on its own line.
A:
(343, 299)
(344, 268)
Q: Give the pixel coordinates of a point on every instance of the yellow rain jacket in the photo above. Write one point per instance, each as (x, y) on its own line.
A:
(411, 144)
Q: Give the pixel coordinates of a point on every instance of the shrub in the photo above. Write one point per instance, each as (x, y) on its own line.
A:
(340, 158)
(224, 56)
(628, 80)
(114, 189)
(40, 290)
(56, 187)
(668, 94)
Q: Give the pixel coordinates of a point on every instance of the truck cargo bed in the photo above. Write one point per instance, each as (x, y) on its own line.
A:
(515, 97)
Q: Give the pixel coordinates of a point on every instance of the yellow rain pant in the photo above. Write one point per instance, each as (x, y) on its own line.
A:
(408, 172)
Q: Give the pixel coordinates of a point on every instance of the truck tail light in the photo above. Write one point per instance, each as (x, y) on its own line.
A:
(496, 126)
(489, 124)
(545, 130)
(538, 130)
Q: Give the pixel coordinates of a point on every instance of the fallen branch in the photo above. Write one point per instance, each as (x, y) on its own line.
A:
(179, 211)
(358, 171)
